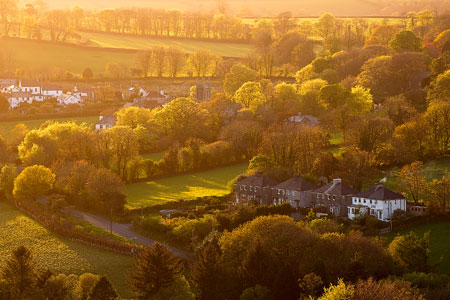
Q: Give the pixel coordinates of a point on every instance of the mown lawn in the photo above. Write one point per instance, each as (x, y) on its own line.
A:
(189, 46)
(439, 243)
(7, 127)
(57, 254)
(187, 187)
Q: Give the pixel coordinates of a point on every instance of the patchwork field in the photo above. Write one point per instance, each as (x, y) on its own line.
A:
(141, 43)
(439, 243)
(187, 187)
(6, 127)
(57, 254)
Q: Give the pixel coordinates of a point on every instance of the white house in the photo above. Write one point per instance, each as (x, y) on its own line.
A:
(68, 98)
(17, 98)
(51, 91)
(378, 201)
(30, 86)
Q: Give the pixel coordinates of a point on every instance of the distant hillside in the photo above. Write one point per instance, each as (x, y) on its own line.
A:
(272, 7)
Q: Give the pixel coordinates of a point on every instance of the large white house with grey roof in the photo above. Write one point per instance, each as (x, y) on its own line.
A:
(378, 201)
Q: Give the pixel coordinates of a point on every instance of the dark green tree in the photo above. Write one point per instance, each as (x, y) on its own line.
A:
(154, 268)
(406, 40)
(103, 290)
(19, 274)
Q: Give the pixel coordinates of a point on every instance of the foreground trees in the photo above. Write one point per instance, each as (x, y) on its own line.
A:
(154, 270)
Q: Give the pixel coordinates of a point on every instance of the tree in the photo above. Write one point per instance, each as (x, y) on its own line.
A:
(183, 118)
(176, 60)
(381, 36)
(103, 290)
(19, 274)
(8, 174)
(154, 268)
(133, 117)
(256, 293)
(411, 252)
(378, 76)
(361, 100)
(5, 152)
(310, 284)
(439, 194)
(239, 74)
(406, 41)
(356, 167)
(369, 133)
(87, 74)
(440, 87)
(370, 289)
(340, 291)
(85, 283)
(144, 61)
(244, 137)
(104, 189)
(437, 119)
(206, 272)
(33, 183)
(124, 145)
(201, 62)
(334, 96)
(413, 179)
(249, 95)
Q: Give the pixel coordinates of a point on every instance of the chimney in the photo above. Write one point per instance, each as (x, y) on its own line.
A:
(100, 117)
(337, 180)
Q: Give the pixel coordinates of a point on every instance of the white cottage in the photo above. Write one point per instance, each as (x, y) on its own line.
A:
(378, 201)
(67, 99)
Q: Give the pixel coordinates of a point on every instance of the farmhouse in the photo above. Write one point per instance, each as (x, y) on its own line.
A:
(334, 197)
(378, 201)
(105, 122)
(295, 191)
(256, 188)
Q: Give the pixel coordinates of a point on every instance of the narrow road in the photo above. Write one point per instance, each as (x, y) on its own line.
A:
(124, 230)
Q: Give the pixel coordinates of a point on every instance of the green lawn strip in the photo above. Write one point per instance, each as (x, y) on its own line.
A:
(58, 254)
(154, 156)
(439, 243)
(7, 127)
(91, 229)
(188, 187)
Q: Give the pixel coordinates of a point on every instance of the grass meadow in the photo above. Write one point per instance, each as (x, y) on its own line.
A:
(110, 40)
(7, 127)
(57, 254)
(188, 187)
(439, 243)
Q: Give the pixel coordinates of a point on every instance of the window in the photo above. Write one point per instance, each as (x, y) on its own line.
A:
(334, 197)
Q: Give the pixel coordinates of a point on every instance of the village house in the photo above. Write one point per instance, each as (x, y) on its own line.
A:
(295, 191)
(334, 197)
(51, 91)
(254, 189)
(84, 93)
(68, 98)
(301, 119)
(378, 201)
(106, 122)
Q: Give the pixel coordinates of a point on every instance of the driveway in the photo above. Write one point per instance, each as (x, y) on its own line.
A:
(123, 230)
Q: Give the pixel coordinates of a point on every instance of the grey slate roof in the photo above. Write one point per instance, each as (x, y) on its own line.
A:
(336, 188)
(379, 192)
(258, 180)
(296, 183)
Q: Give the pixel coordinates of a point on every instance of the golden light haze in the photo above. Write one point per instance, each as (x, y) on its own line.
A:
(272, 7)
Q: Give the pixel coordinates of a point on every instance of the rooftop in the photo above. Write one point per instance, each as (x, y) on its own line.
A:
(336, 187)
(296, 183)
(379, 192)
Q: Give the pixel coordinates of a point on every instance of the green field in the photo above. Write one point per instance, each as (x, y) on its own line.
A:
(58, 254)
(68, 58)
(439, 243)
(7, 127)
(433, 169)
(187, 187)
(141, 43)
